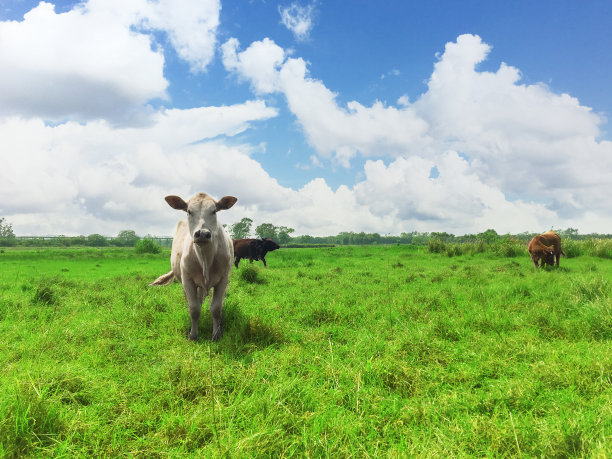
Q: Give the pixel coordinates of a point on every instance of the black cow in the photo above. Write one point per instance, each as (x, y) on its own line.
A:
(253, 249)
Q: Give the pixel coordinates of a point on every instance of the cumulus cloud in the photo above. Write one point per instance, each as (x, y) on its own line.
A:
(334, 131)
(112, 178)
(513, 139)
(502, 124)
(456, 200)
(191, 26)
(298, 19)
(99, 60)
(258, 64)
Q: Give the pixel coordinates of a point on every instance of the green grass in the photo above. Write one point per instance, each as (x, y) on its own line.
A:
(334, 352)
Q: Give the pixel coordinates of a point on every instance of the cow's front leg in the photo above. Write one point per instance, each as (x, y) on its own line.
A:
(216, 309)
(264, 261)
(194, 302)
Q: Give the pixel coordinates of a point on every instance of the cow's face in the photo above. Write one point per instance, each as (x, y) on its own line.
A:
(270, 245)
(202, 215)
(549, 257)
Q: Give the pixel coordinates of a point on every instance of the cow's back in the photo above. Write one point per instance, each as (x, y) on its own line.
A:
(551, 238)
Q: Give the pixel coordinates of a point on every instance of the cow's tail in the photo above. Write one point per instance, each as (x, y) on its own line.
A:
(166, 279)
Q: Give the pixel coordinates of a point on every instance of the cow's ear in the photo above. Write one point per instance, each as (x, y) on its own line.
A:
(226, 202)
(176, 202)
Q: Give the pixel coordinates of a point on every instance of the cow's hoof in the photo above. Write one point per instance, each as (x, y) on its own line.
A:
(191, 337)
(217, 335)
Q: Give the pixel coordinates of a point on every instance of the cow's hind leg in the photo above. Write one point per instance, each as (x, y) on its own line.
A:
(216, 309)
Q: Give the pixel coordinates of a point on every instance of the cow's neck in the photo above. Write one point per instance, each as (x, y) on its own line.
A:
(206, 256)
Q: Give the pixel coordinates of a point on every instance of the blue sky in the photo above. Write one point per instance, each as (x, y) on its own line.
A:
(373, 116)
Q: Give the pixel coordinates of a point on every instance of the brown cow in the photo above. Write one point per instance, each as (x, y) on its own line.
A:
(253, 249)
(547, 248)
(201, 257)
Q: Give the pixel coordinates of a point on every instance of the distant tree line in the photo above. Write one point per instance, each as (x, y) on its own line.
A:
(125, 238)
(283, 235)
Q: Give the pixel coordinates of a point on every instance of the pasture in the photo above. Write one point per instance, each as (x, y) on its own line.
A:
(329, 352)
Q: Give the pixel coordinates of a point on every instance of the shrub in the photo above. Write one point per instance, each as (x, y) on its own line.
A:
(571, 248)
(454, 250)
(435, 245)
(510, 248)
(147, 246)
(250, 275)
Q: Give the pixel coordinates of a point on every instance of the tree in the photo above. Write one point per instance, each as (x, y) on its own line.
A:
(489, 236)
(570, 233)
(127, 238)
(241, 229)
(6, 229)
(96, 240)
(284, 234)
(266, 230)
(442, 236)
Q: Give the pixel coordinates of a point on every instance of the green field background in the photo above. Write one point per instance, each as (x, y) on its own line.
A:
(378, 351)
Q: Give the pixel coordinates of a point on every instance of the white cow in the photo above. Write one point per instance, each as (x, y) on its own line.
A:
(202, 254)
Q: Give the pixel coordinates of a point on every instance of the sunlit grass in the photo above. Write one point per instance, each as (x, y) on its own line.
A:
(348, 351)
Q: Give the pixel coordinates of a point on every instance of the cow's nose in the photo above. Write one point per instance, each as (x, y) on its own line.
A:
(202, 234)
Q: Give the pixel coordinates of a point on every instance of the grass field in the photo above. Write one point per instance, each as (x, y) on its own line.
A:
(332, 352)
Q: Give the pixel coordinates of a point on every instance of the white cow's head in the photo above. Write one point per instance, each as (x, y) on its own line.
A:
(202, 214)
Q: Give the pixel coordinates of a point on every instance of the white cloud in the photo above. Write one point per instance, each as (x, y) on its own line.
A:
(342, 132)
(109, 178)
(259, 63)
(455, 201)
(521, 140)
(92, 62)
(390, 73)
(333, 131)
(298, 19)
(191, 26)
(110, 72)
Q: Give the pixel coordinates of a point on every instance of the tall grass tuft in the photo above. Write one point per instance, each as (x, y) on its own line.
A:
(250, 274)
(30, 419)
(45, 294)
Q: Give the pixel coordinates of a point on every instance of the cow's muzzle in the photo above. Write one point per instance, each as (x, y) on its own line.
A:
(202, 236)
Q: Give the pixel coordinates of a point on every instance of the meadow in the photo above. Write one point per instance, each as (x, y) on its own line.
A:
(388, 351)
